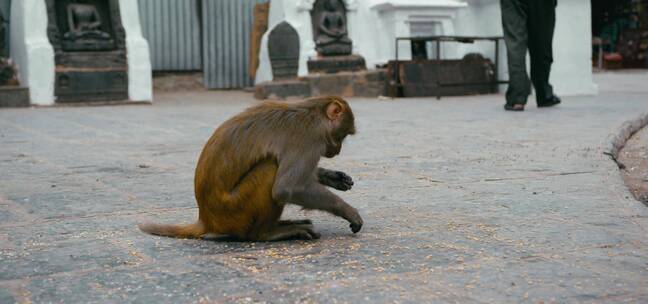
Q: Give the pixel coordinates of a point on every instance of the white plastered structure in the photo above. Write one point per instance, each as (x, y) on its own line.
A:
(374, 24)
(33, 53)
(140, 74)
(409, 18)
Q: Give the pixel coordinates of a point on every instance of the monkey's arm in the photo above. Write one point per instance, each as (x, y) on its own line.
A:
(296, 183)
(336, 179)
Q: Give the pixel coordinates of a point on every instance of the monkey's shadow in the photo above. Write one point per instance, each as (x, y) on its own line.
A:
(232, 239)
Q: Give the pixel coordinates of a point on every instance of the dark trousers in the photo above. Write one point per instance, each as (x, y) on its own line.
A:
(528, 24)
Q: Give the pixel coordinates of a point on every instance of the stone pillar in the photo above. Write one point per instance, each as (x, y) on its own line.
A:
(140, 83)
(32, 51)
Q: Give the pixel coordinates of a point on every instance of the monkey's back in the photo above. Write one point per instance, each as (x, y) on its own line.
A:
(256, 134)
(236, 170)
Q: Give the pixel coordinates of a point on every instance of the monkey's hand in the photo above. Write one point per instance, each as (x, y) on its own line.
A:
(354, 219)
(335, 179)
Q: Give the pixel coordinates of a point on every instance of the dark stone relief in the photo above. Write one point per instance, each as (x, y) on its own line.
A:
(89, 43)
(330, 28)
(283, 49)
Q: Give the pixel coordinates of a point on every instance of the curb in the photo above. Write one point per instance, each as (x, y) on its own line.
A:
(615, 142)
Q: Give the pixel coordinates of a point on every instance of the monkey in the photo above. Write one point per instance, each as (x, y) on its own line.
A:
(264, 158)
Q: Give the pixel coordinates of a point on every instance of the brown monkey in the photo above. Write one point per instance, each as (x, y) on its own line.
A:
(263, 158)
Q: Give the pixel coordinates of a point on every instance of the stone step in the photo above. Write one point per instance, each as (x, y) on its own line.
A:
(336, 64)
(345, 84)
(14, 97)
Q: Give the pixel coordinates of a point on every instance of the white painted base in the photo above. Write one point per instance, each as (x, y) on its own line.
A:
(140, 83)
(34, 55)
(32, 51)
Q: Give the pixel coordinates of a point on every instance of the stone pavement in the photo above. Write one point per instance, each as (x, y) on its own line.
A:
(462, 202)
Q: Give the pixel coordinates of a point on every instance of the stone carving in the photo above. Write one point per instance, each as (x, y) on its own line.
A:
(84, 25)
(113, 50)
(7, 68)
(7, 72)
(84, 22)
(330, 28)
(89, 44)
(283, 49)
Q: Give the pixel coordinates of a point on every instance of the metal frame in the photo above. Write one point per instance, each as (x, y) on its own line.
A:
(438, 40)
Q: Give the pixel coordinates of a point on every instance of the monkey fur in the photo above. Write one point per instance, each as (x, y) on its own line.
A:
(263, 158)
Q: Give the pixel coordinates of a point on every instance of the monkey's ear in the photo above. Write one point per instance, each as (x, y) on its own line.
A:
(334, 110)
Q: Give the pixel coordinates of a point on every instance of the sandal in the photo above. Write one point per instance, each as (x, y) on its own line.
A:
(518, 107)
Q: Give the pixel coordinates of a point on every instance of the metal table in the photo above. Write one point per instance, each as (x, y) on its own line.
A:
(438, 40)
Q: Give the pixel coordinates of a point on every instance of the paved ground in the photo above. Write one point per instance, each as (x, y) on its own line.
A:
(462, 202)
(634, 157)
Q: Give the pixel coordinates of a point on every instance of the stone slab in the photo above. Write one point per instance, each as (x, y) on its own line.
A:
(88, 85)
(346, 84)
(14, 97)
(282, 89)
(335, 64)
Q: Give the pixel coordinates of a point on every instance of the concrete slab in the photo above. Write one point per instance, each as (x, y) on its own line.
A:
(462, 201)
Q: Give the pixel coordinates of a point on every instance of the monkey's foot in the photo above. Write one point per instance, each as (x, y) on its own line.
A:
(291, 232)
(355, 221)
(355, 227)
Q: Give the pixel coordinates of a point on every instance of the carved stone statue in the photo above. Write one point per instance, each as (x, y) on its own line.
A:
(84, 22)
(331, 36)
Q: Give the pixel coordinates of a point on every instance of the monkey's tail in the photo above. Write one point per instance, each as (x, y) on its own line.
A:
(192, 231)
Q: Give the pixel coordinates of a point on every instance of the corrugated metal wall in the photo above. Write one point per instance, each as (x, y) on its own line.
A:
(212, 35)
(173, 31)
(226, 40)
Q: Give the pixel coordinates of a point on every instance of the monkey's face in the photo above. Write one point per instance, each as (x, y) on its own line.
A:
(340, 122)
(341, 128)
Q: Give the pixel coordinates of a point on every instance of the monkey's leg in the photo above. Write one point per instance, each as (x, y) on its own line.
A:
(335, 179)
(318, 197)
(295, 222)
(245, 211)
(290, 232)
(295, 183)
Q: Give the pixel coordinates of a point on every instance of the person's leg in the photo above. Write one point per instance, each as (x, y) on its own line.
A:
(514, 22)
(541, 22)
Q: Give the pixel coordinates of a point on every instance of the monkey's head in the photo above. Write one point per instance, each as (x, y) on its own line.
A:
(340, 123)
